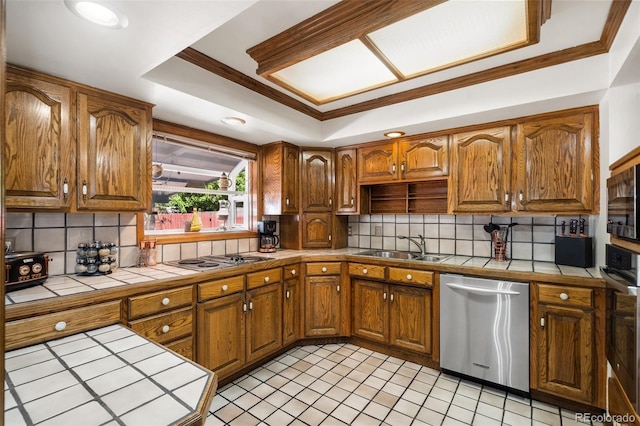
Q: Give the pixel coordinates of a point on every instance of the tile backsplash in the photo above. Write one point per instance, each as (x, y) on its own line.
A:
(532, 239)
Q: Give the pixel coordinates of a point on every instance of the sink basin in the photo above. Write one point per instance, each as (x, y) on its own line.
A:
(390, 254)
(433, 257)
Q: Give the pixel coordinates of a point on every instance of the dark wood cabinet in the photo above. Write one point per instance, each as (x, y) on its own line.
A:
(280, 178)
(480, 178)
(292, 294)
(39, 149)
(323, 300)
(316, 230)
(377, 163)
(424, 158)
(317, 181)
(264, 321)
(114, 153)
(347, 194)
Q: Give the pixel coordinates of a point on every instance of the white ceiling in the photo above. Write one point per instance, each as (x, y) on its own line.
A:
(139, 62)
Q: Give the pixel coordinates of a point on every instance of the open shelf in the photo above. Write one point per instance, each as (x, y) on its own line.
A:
(427, 197)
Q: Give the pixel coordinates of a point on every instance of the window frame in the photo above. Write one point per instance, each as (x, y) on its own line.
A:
(180, 131)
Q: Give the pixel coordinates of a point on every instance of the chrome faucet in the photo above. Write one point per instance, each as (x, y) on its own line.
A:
(421, 245)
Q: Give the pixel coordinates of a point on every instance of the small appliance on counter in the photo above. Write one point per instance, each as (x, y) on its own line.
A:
(25, 269)
(268, 241)
(575, 248)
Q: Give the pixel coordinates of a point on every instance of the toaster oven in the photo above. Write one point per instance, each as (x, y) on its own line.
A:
(25, 269)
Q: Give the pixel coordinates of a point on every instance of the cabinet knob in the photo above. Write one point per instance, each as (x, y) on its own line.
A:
(251, 306)
(266, 279)
(84, 189)
(324, 269)
(165, 329)
(287, 294)
(330, 201)
(338, 288)
(166, 301)
(364, 270)
(65, 188)
(293, 272)
(287, 201)
(61, 326)
(409, 276)
(353, 201)
(225, 287)
(384, 296)
(564, 296)
(391, 297)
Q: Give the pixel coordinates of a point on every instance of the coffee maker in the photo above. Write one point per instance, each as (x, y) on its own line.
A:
(268, 241)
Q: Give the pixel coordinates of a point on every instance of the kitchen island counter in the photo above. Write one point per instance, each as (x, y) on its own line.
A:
(109, 374)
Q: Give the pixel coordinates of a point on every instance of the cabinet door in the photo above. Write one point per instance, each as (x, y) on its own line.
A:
(316, 230)
(346, 182)
(554, 164)
(481, 171)
(280, 178)
(317, 181)
(264, 321)
(39, 148)
(221, 334)
(424, 159)
(291, 317)
(410, 318)
(377, 163)
(322, 306)
(564, 340)
(114, 154)
(370, 314)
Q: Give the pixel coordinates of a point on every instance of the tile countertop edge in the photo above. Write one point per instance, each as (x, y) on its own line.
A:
(483, 267)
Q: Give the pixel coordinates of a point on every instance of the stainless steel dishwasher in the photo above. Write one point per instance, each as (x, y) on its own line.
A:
(484, 329)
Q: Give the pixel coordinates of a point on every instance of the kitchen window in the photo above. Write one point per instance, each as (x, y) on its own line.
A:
(201, 190)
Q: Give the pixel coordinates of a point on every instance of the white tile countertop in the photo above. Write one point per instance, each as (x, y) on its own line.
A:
(110, 375)
(63, 285)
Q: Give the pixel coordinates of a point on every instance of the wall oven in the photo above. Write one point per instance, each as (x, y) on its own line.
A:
(622, 318)
(623, 204)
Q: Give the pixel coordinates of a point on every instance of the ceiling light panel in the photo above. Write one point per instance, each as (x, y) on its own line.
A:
(453, 32)
(348, 69)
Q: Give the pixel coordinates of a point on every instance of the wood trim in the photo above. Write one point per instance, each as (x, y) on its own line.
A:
(190, 237)
(216, 67)
(630, 159)
(614, 20)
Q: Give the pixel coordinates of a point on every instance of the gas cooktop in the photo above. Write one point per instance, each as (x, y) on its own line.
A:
(207, 263)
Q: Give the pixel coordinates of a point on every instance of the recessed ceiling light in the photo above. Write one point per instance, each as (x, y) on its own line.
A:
(98, 13)
(233, 121)
(394, 134)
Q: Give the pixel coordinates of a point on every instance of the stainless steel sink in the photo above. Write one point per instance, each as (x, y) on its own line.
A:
(390, 254)
(396, 254)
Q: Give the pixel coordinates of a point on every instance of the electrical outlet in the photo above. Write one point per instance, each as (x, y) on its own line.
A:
(377, 231)
(349, 231)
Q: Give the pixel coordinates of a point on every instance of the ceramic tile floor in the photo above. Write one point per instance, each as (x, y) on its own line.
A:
(340, 384)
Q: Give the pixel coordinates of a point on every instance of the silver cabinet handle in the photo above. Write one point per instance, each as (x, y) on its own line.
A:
(244, 307)
(482, 290)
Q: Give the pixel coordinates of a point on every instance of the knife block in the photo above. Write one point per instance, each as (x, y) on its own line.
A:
(574, 251)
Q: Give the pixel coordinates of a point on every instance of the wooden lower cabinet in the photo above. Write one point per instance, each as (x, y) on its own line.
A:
(323, 299)
(565, 355)
(292, 293)
(395, 314)
(221, 334)
(264, 321)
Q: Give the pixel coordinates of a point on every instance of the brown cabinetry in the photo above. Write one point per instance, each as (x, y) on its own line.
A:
(292, 292)
(114, 153)
(280, 178)
(377, 163)
(95, 156)
(317, 181)
(347, 193)
(39, 144)
(323, 299)
(565, 355)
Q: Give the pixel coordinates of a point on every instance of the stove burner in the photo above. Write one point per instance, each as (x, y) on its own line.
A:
(204, 264)
(235, 258)
(190, 261)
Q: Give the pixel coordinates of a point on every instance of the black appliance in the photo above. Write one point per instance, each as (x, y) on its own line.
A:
(268, 241)
(623, 204)
(622, 318)
(25, 269)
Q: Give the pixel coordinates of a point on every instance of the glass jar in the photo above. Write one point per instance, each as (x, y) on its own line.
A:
(104, 251)
(92, 251)
(82, 250)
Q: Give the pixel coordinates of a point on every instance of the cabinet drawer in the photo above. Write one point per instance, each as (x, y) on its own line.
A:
(367, 271)
(219, 288)
(292, 271)
(153, 303)
(411, 276)
(258, 279)
(323, 268)
(560, 295)
(165, 327)
(38, 329)
(183, 347)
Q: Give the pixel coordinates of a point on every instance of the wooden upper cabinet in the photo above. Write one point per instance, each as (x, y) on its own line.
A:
(114, 153)
(424, 158)
(554, 160)
(316, 230)
(39, 143)
(280, 178)
(481, 171)
(347, 199)
(377, 163)
(317, 181)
